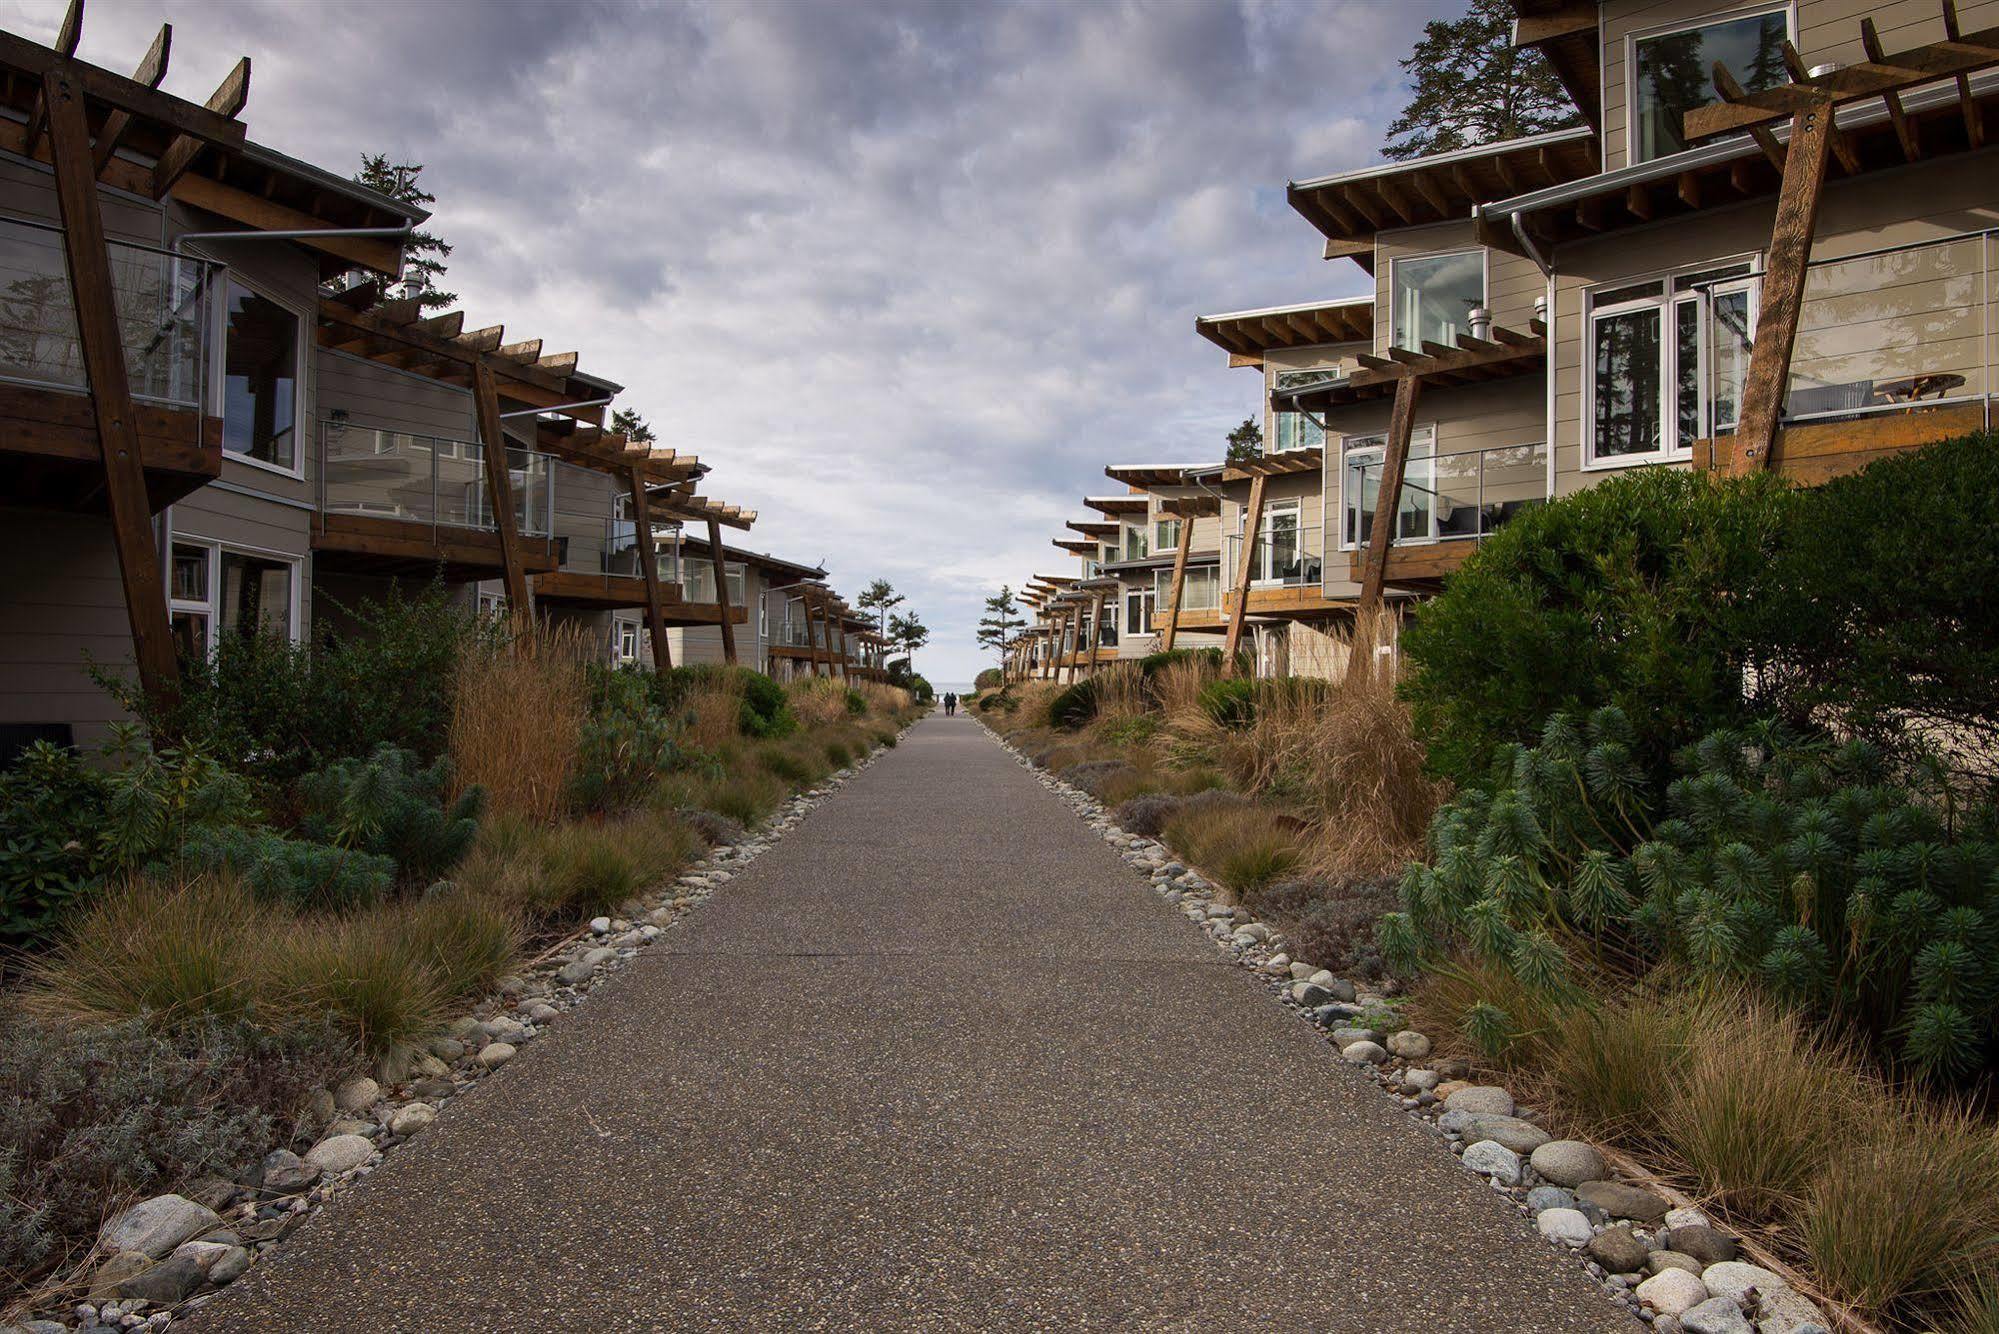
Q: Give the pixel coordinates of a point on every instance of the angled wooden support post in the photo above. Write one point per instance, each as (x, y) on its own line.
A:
(722, 591)
(1252, 521)
(1179, 582)
(1387, 505)
(840, 653)
(662, 654)
(1096, 630)
(1783, 291)
(1054, 648)
(89, 264)
(500, 489)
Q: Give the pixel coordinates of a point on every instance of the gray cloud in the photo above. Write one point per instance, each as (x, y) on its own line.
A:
(909, 274)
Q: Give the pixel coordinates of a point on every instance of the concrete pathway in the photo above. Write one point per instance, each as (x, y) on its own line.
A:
(936, 1060)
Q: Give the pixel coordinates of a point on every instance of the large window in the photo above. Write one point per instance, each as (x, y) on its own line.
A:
(1432, 297)
(214, 589)
(260, 375)
(1296, 430)
(1135, 547)
(1667, 362)
(1672, 73)
(1166, 536)
(1201, 590)
(1360, 491)
(1279, 553)
(1139, 604)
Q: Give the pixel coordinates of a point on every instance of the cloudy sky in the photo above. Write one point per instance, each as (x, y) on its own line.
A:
(907, 274)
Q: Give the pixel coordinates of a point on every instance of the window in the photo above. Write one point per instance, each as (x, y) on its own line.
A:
(260, 375)
(1201, 590)
(1166, 535)
(1296, 430)
(627, 645)
(1360, 488)
(492, 606)
(212, 590)
(1667, 362)
(1431, 298)
(1671, 73)
(1135, 547)
(1139, 604)
(1106, 634)
(1278, 554)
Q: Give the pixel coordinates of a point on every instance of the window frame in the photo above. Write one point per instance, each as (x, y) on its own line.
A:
(1142, 625)
(218, 380)
(1788, 8)
(622, 629)
(210, 608)
(1159, 524)
(1421, 431)
(1484, 282)
(1667, 302)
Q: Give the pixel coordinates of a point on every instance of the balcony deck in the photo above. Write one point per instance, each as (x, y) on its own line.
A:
(378, 545)
(583, 588)
(49, 455)
(1818, 451)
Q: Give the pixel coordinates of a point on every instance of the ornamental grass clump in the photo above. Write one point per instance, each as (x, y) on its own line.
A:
(517, 719)
(1608, 1060)
(467, 941)
(363, 974)
(818, 701)
(1240, 846)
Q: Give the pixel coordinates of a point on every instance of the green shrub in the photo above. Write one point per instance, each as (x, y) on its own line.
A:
(1794, 864)
(1877, 612)
(386, 805)
(92, 1117)
(1632, 593)
(764, 711)
(1154, 663)
(380, 672)
(747, 798)
(1075, 706)
(1231, 702)
(467, 941)
(989, 679)
(857, 704)
(838, 754)
(627, 743)
(363, 975)
(66, 824)
(289, 870)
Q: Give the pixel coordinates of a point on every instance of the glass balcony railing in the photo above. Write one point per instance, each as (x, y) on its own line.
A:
(428, 479)
(1882, 331)
(697, 580)
(1286, 554)
(621, 549)
(163, 302)
(1446, 496)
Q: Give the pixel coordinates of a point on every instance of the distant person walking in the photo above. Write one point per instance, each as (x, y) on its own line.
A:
(950, 704)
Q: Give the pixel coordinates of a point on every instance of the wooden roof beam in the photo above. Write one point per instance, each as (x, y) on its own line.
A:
(1870, 41)
(482, 340)
(1576, 16)
(1974, 120)
(67, 38)
(152, 72)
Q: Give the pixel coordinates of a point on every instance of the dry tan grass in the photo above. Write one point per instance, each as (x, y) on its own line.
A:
(517, 717)
(715, 712)
(1120, 689)
(819, 701)
(883, 700)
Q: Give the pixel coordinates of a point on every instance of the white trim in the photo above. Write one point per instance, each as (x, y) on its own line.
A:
(1484, 254)
(1788, 8)
(1420, 431)
(301, 389)
(212, 607)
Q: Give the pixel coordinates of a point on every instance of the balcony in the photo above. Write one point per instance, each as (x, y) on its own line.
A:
(1894, 350)
(1449, 502)
(164, 307)
(607, 572)
(391, 502)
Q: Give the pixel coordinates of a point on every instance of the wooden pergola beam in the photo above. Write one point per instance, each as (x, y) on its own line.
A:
(500, 488)
(227, 101)
(1179, 582)
(1252, 521)
(662, 652)
(721, 561)
(1387, 501)
(93, 298)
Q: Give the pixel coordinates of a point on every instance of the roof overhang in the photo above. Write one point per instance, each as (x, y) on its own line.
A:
(1115, 505)
(1247, 335)
(1149, 474)
(1565, 32)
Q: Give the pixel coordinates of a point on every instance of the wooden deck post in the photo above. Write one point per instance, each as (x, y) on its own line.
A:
(1387, 502)
(662, 653)
(89, 263)
(500, 488)
(1252, 521)
(1096, 629)
(722, 591)
(1179, 583)
(1783, 289)
(1054, 644)
(840, 658)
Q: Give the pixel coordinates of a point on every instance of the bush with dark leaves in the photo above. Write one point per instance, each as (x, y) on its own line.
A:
(1147, 813)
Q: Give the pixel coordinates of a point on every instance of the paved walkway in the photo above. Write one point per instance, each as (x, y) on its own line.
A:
(936, 1060)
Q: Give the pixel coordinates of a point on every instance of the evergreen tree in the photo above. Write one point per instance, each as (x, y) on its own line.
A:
(909, 634)
(1245, 441)
(879, 597)
(424, 252)
(628, 423)
(1001, 626)
(1470, 85)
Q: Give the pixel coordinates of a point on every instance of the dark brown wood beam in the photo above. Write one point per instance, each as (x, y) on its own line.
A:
(500, 489)
(721, 562)
(1387, 500)
(151, 72)
(226, 101)
(662, 651)
(1252, 521)
(67, 36)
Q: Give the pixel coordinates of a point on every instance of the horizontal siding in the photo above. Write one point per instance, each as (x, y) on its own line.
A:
(377, 397)
(62, 606)
(28, 190)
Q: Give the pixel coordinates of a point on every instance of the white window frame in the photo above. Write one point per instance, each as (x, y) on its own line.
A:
(492, 604)
(1671, 449)
(1260, 576)
(211, 607)
(1159, 523)
(1126, 532)
(218, 360)
(1484, 283)
(1353, 443)
(1143, 592)
(621, 630)
(1788, 8)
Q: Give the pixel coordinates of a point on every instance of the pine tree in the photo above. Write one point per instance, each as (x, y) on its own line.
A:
(1470, 85)
(1001, 626)
(879, 597)
(1245, 441)
(424, 252)
(628, 423)
(909, 634)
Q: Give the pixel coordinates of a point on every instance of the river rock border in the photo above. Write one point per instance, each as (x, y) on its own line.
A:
(1671, 1267)
(172, 1253)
